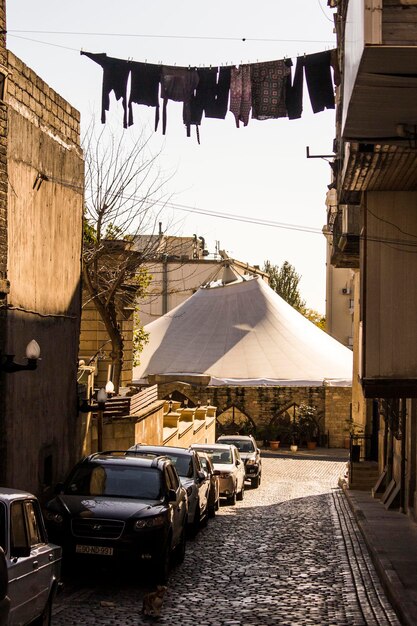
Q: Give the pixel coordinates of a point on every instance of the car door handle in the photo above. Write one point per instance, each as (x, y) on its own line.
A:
(35, 564)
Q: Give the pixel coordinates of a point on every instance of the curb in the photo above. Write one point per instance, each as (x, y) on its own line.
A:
(405, 608)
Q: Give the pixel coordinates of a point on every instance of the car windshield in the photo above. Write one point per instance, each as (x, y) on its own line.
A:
(115, 481)
(242, 446)
(218, 456)
(183, 464)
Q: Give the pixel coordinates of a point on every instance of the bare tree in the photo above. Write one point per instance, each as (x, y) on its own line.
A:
(124, 198)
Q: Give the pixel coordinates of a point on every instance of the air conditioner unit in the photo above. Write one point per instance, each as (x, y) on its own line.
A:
(346, 291)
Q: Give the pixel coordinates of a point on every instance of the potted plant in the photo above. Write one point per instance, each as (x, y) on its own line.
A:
(355, 430)
(308, 424)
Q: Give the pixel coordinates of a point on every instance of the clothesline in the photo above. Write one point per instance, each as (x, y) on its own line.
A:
(262, 90)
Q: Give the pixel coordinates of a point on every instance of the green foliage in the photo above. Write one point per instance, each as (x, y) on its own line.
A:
(140, 339)
(285, 280)
(314, 316)
(89, 232)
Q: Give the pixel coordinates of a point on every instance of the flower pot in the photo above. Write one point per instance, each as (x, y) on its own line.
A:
(294, 447)
(274, 445)
(311, 445)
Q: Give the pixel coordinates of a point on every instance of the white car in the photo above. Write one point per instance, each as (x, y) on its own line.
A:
(32, 564)
(228, 466)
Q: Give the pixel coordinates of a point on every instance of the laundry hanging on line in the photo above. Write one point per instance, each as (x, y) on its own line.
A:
(266, 90)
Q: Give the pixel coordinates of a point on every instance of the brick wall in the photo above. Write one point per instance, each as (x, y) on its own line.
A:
(34, 99)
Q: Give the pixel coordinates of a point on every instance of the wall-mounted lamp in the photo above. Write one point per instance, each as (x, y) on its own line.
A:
(33, 353)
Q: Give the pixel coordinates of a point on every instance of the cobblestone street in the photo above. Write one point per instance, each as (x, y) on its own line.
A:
(290, 553)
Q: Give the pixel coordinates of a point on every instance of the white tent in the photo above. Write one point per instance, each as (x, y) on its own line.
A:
(244, 334)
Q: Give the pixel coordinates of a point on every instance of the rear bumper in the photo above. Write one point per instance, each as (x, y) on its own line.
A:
(252, 471)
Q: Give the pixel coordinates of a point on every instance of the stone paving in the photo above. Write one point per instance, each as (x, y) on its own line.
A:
(290, 554)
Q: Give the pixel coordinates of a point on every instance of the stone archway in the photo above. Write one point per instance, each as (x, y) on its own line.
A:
(178, 396)
(234, 421)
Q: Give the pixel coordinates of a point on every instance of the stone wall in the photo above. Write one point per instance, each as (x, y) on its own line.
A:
(261, 405)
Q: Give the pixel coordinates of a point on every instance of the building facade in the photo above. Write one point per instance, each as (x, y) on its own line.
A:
(41, 204)
(374, 226)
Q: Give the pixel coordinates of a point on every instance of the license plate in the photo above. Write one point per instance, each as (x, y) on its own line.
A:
(102, 550)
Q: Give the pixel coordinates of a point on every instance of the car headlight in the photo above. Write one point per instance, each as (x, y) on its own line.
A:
(53, 517)
(189, 490)
(149, 522)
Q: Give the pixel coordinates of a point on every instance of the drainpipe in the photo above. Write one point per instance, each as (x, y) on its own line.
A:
(403, 454)
(165, 284)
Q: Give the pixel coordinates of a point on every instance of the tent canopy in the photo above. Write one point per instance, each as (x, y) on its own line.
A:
(242, 333)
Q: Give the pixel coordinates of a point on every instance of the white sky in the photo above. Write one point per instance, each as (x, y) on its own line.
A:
(259, 171)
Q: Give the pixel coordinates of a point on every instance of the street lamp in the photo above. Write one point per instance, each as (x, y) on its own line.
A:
(102, 397)
(33, 353)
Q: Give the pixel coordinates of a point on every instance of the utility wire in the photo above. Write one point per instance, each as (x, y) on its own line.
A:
(153, 36)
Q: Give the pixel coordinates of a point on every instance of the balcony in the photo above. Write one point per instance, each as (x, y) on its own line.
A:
(380, 78)
(344, 226)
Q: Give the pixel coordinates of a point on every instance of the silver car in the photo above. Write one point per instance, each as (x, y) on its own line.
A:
(192, 478)
(228, 466)
(32, 564)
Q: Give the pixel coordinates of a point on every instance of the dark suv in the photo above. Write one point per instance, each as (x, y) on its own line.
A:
(249, 453)
(118, 506)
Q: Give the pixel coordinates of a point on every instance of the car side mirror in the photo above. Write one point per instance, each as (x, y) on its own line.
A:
(172, 495)
(201, 476)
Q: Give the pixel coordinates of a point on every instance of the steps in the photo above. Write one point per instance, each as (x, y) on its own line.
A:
(364, 475)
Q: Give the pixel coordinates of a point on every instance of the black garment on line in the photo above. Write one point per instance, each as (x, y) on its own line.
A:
(115, 77)
(294, 94)
(144, 87)
(178, 84)
(319, 80)
(217, 108)
(205, 93)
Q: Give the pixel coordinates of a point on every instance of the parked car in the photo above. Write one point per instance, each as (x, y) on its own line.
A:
(30, 566)
(214, 493)
(192, 478)
(4, 584)
(250, 454)
(229, 467)
(122, 507)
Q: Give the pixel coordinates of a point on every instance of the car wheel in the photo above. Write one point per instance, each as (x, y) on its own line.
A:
(255, 482)
(179, 553)
(241, 492)
(232, 499)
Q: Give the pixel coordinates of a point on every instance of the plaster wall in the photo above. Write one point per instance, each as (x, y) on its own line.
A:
(43, 267)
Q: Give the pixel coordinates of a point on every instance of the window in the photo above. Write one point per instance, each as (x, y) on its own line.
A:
(34, 529)
(2, 526)
(173, 482)
(18, 528)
